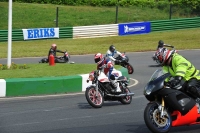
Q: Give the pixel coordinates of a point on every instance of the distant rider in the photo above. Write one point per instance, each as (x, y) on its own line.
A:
(53, 51)
(111, 53)
(161, 44)
(107, 65)
(181, 70)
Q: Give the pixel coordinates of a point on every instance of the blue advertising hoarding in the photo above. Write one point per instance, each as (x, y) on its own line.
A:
(134, 28)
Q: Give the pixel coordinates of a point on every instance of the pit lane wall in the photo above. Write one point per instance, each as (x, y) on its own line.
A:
(47, 85)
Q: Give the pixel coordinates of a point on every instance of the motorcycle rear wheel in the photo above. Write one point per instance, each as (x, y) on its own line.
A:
(130, 68)
(154, 122)
(93, 100)
(126, 99)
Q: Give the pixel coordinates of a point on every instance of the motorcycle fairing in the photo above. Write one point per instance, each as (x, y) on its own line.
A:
(157, 84)
(188, 119)
(103, 78)
(177, 100)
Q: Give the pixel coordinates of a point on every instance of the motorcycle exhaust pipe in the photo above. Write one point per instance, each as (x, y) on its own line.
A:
(122, 95)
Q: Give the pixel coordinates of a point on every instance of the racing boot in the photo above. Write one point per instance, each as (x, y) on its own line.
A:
(115, 85)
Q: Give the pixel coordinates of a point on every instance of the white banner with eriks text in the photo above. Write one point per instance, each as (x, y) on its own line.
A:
(40, 33)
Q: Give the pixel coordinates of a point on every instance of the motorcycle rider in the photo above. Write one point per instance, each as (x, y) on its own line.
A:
(161, 44)
(106, 64)
(53, 51)
(181, 70)
(111, 53)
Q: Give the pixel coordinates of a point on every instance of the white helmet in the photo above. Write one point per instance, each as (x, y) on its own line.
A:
(163, 54)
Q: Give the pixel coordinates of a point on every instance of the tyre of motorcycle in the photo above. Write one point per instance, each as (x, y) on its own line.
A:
(126, 99)
(44, 60)
(154, 122)
(130, 68)
(92, 99)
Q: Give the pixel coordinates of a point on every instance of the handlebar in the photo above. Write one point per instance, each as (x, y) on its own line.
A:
(166, 45)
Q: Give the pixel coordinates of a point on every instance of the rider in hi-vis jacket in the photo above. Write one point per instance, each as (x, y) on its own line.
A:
(181, 70)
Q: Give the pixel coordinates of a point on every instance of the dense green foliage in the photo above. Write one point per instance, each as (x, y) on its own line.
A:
(194, 4)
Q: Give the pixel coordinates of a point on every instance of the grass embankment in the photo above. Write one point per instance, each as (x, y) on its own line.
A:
(181, 39)
(40, 15)
(29, 15)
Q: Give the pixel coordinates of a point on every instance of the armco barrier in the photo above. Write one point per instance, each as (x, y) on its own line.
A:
(174, 24)
(109, 30)
(46, 86)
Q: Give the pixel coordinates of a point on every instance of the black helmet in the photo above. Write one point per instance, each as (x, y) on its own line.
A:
(112, 48)
(160, 44)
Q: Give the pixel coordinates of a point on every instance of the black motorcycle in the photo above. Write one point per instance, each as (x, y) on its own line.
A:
(168, 107)
(63, 59)
(102, 90)
(124, 62)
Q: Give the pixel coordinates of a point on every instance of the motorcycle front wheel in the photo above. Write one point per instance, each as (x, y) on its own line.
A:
(94, 100)
(126, 99)
(154, 122)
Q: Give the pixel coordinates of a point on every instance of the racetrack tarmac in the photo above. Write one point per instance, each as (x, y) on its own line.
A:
(70, 113)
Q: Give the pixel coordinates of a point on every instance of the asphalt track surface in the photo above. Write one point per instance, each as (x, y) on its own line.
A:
(72, 114)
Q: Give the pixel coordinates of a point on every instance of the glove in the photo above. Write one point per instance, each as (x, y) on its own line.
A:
(175, 83)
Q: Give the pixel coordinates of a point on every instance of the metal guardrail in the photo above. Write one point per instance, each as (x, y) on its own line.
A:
(174, 24)
(109, 30)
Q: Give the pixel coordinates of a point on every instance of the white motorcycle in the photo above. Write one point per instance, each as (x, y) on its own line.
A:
(102, 90)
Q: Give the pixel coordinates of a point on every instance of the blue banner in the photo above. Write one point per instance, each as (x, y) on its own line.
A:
(40, 33)
(134, 28)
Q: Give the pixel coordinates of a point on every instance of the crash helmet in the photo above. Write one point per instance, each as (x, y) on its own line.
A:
(98, 58)
(112, 48)
(53, 46)
(163, 54)
(160, 43)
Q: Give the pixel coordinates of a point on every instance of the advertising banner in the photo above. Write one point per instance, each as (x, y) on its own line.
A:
(40, 33)
(134, 28)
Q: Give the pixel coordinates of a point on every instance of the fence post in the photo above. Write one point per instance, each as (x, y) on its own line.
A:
(57, 17)
(170, 10)
(116, 18)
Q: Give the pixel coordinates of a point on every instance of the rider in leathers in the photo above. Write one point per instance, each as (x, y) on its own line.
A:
(181, 70)
(111, 52)
(107, 66)
(53, 51)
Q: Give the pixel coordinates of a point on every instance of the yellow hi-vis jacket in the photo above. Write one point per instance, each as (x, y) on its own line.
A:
(182, 67)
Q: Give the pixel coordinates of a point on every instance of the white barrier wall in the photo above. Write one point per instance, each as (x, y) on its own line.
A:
(95, 31)
(2, 88)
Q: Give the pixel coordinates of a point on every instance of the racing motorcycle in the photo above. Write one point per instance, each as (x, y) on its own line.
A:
(102, 90)
(168, 107)
(65, 59)
(124, 62)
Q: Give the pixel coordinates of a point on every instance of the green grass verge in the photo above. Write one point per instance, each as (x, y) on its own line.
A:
(44, 70)
(181, 39)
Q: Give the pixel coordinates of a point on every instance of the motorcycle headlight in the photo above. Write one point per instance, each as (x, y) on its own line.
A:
(148, 89)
